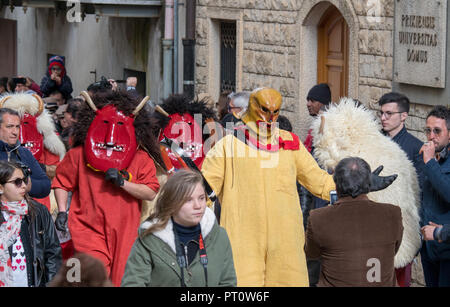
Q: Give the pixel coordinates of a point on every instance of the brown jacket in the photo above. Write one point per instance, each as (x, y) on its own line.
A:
(354, 238)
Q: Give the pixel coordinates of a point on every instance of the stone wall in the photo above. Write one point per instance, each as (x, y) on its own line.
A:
(376, 56)
(269, 50)
(108, 46)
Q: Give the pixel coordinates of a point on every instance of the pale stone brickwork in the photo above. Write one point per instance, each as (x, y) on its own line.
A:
(269, 51)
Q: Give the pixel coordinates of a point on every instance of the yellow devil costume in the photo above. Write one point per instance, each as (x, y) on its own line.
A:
(254, 173)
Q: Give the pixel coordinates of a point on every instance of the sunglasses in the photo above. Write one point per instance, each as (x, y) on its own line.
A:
(18, 181)
(436, 131)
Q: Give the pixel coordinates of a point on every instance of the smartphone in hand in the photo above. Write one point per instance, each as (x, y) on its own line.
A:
(333, 197)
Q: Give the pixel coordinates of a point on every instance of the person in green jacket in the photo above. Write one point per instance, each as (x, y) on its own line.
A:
(181, 243)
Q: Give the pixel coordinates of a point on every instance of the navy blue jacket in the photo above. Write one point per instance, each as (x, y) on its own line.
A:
(411, 146)
(40, 183)
(436, 203)
(48, 86)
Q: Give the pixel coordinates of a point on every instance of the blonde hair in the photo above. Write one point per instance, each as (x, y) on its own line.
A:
(177, 191)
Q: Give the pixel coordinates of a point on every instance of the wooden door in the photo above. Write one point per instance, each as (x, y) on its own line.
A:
(332, 64)
(8, 48)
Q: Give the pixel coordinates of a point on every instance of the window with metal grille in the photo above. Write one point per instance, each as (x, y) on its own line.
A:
(228, 56)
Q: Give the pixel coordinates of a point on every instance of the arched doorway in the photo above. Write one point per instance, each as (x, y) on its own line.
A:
(332, 52)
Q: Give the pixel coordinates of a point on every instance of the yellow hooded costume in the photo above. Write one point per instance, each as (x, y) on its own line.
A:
(255, 179)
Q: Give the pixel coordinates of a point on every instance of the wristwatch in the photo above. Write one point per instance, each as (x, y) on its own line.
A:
(437, 233)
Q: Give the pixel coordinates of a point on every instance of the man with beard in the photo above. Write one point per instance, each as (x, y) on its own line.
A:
(436, 195)
(318, 98)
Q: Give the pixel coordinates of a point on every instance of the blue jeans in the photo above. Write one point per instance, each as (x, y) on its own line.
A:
(436, 273)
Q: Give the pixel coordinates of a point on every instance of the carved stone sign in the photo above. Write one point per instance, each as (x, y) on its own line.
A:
(420, 42)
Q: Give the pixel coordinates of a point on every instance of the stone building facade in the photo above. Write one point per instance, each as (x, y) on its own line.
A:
(276, 46)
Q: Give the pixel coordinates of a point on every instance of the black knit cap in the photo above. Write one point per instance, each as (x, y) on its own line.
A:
(320, 92)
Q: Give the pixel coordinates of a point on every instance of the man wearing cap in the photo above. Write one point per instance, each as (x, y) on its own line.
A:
(56, 78)
(319, 96)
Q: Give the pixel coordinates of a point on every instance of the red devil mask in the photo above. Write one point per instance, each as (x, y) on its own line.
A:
(30, 137)
(111, 140)
(184, 130)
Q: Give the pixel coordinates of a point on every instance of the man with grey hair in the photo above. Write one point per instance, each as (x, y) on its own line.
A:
(356, 238)
(238, 104)
(12, 150)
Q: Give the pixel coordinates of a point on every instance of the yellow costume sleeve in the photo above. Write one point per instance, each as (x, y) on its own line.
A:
(311, 176)
(213, 167)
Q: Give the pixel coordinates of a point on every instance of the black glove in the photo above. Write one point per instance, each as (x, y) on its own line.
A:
(379, 183)
(61, 221)
(117, 177)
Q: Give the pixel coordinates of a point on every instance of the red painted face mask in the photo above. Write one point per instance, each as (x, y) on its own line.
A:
(184, 130)
(30, 137)
(111, 140)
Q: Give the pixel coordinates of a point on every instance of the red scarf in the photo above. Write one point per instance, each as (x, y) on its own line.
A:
(308, 141)
(293, 144)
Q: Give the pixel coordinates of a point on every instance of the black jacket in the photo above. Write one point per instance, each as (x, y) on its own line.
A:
(39, 225)
(411, 146)
(48, 86)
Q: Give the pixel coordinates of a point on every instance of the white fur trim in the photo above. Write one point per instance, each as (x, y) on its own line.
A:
(167, 235)
(354, 131)
(26, 103)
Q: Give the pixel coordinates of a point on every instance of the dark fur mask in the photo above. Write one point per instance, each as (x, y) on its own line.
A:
(181, 104)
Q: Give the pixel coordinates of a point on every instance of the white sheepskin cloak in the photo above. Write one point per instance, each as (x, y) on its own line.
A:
(351, 130)
(27, 103)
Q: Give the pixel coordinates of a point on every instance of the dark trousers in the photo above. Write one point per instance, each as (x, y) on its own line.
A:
(436, 273)
(313, 272)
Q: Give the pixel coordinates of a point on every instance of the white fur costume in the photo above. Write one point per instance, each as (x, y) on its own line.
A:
(349, 130)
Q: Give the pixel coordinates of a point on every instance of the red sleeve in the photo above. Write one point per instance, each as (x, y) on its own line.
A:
(308, 141)
(36, 88)
(49, 158)
(67, 171)
(143, 171)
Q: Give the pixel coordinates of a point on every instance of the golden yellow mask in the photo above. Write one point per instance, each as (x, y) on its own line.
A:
(263, 108)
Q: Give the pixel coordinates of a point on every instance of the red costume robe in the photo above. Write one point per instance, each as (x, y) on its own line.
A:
(103, 219)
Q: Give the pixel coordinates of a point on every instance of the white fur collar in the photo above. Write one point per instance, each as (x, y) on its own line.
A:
(167, 235)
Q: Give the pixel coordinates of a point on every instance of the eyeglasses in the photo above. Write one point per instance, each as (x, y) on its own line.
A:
(436, 131)
(386, 114)
(18, 181)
